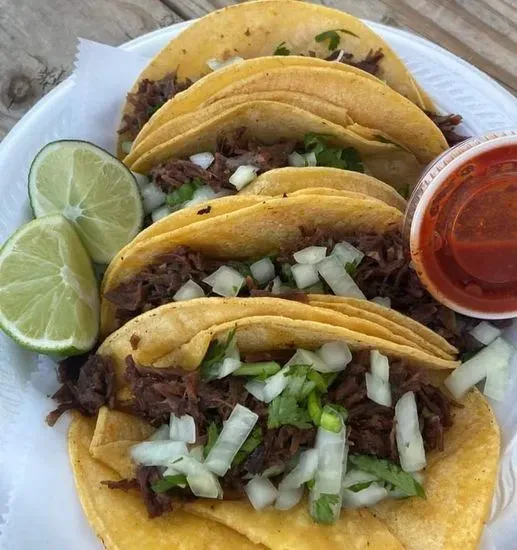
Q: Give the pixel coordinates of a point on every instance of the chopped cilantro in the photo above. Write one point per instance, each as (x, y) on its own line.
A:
(212, 435)
(351, 268)
(324, 509)
(185, 192)
(359, 486)
(310, 484)
(287, 275)
(253, 441)
(215, 354)
(154, 108)
(281, 49)
(333, 157)
(242, 267)
(168, 482)
(317, 378)
(333, 37)
(285, 409)
(390, 472)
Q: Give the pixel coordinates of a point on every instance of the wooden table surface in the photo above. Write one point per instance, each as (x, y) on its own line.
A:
(38, 37)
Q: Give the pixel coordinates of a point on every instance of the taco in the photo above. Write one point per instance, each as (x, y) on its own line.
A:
(257, 29)
(282, 430)
(339, 96)
(255, 251)
(258, 136)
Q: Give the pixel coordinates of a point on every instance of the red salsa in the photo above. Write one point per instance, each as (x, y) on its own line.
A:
(468, 237)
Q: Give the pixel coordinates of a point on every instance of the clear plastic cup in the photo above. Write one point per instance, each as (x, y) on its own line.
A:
(461, 225)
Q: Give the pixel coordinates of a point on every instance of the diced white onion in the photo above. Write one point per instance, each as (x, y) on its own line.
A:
(182, 428)
(202, 482)
(289, 499)
(373, 494)
(203, 194)
(332, 270)
(379, 365)
(306, 357)
(495, 356)
(273, 471)
(160, 213)
(331, 447)
(382, 301)
(234, 433)
(216, 64)
(263, 270)
(152, 197)
(378, 390)
(125, 146)
(353, 477)
(188, 291)
(410, 444)
(277, 286)
(197, 453)
(310, 255)
(496, 381)
(304, 471)
(347, 253)
(161, 434)
(261, 492)
(141, 180)
(158, 453)
(276, 384)
(297, 160)
(256, 388)
(243, 176)
(229, 365)
(335, 355)
(225, 281)
(304, 275)
(203, 160)
(485, 333)
(310, 159)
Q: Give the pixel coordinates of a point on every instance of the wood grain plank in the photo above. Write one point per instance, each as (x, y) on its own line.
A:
(38, 42)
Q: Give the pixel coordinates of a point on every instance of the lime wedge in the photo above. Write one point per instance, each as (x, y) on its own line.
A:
(49, 300)
(92, 189)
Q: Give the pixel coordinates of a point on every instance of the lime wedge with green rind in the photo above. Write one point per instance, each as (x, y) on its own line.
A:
(92, 189)
(49, 301)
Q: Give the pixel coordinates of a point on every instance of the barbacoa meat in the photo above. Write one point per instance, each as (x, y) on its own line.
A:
(233, 150)
(149, 97)
(371, 427)
(447, 125)
(157, 283)
(88, 383)
(369, 64)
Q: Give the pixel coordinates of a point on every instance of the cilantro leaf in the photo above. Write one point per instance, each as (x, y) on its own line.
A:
(333, 157)
(324, 508)
(351, 268)
(359, 486)
(281, 49)
(185, 192)
(154, 108)
(212, 435)
(215, 354)
(287, 275)
(242, 267)
(168, 482)
(390, 472)
(253, 441)
(284, 409)
(333, 37)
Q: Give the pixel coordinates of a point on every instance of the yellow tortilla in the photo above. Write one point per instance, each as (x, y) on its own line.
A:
(188, 121)
(178, 334)
(250, 233)
(368, 103)
(256, 29)
(120, 519)
(293, 180)
(272, 121)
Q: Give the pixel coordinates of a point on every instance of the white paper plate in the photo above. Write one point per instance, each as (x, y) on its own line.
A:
(456, 86)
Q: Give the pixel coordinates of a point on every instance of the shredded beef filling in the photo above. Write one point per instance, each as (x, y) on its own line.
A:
(370, 63)
(371, 429)
(149, 97)
(234, 150)
(447, 125)
(384, 271)
(88, 383)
